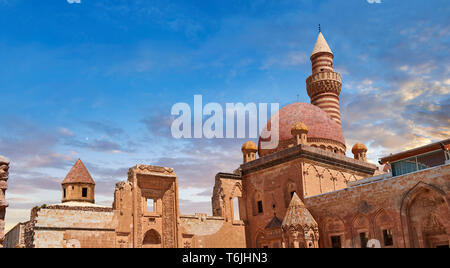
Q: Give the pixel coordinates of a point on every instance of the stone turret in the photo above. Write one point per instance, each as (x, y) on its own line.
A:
(4, 173)
(300, 133)
(249, 150)
(78, 186)
(300, 229)
(359, 151)
(324, 85)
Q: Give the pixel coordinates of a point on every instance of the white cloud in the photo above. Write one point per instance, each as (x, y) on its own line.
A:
(74, 1)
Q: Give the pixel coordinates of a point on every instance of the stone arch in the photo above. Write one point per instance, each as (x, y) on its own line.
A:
(333, 226)
(328, 182)
(236, 199)
(259, 239)
(384, 222)
(313, 168)
(152, 239)
(289, 189)
(312, 177)
(360, 225)
(237, 190)
(341, 180)
(352, 178)
(425, 217)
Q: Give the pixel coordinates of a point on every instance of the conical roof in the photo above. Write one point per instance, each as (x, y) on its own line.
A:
(321, 45)
(274, 223)
(298, 215)
(78, 174)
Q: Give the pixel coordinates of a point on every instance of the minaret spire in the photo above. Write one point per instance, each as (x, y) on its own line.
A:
(324, 85)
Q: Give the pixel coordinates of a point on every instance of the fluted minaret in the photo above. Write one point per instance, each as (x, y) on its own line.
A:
(324, 85)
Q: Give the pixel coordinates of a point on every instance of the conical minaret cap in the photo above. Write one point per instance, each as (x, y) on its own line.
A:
(321, 45)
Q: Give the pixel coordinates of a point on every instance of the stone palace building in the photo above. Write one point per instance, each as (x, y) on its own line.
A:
(306, 193)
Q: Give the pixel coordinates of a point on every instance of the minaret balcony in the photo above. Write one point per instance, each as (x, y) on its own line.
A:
(323, 82)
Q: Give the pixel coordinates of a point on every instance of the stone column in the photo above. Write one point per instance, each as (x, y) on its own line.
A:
(4, 167)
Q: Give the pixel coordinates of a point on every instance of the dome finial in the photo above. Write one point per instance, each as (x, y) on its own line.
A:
(320, 30)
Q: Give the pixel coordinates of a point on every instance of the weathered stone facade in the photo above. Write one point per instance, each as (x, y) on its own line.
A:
(4, 172)
(306, 193)
(413, 208)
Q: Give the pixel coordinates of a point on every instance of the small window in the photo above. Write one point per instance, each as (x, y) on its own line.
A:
(260, 207)
(64, 192)
(388, 239)
(336, 242)
(84, 192)
(150, 205)
(364, 238)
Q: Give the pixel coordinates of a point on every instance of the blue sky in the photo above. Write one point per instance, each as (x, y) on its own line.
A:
(96, 80)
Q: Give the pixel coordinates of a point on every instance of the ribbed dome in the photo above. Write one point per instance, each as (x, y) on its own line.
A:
(359, 147)
(318, 122)
(299, 127)
(249, 146)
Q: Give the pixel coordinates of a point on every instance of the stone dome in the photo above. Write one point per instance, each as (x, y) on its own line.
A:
(298, 128)
(358, 148)
(322, 130)
(249, 146)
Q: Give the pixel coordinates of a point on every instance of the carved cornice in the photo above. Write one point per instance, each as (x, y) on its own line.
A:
(310, 153)
(324, 82)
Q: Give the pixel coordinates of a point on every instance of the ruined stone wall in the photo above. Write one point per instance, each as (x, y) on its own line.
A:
(414, 207)
(226, 229)
(15, 237)
(202, 231)
(151, 227)
(72, 227)
(4, 167)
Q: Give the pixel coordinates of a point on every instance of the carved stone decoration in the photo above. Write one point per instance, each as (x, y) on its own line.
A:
(4, 173)
(300, 228)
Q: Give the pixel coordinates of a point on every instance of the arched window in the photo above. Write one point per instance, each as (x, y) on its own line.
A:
(152, 239)
(236, 214)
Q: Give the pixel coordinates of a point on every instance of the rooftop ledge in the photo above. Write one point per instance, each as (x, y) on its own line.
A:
(308, 152)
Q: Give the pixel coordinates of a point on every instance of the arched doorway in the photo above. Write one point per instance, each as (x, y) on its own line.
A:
(152, 239)
(427, 216)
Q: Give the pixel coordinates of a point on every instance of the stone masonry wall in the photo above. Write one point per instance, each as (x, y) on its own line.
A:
(4, 167)
(415, 207)
(74, 228)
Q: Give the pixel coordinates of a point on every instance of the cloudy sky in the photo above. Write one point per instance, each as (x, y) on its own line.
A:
(96, 80)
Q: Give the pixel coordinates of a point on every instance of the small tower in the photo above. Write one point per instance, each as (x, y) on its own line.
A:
(360, 151)
(300, 229)
(300, 133)
(324, 85)
(78, 186)
(249, 150)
